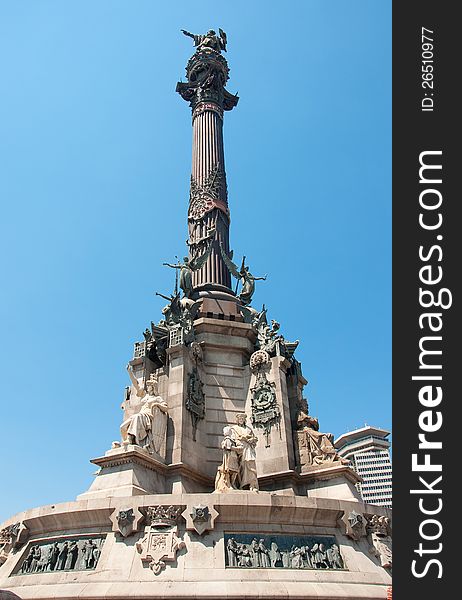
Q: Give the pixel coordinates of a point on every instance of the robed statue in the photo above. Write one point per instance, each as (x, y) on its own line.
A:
(238, 468)
(147, 427)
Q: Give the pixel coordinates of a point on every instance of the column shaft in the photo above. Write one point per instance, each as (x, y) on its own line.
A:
(209, 177)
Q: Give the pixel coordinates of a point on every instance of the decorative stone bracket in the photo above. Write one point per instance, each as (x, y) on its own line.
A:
(126, 521)
(200, 518)
(353, 525)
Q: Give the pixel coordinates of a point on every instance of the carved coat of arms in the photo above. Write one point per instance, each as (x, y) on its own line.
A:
(265, 411)
(161, 542)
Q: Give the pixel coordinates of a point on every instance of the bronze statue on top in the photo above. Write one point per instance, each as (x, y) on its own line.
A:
(209, 40)
(207, 72)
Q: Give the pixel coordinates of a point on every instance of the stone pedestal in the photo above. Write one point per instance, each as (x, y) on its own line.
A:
(128, 471)
(335, 481)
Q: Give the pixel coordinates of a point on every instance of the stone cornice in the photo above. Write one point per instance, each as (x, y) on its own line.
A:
(129, 457)
(317, 473)
(145, 460)
(240, 507)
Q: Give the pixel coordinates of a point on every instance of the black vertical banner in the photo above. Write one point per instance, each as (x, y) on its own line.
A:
(426, 299)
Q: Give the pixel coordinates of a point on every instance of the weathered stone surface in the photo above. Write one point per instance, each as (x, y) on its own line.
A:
(201, 565)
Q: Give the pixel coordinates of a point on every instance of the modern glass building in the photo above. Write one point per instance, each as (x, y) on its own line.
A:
(368, 449)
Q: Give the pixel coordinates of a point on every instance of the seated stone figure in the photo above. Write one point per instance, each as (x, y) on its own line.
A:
(147, 427)
(315, 448)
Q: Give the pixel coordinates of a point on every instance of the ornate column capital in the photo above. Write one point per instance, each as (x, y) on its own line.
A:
(207, 72)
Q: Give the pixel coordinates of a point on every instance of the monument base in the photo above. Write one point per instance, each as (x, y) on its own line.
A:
(196, 546)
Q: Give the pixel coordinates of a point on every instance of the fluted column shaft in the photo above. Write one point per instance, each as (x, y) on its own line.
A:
(208, 175)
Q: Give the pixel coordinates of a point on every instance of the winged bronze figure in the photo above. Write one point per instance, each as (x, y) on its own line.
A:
(244, 275)
(187, 267)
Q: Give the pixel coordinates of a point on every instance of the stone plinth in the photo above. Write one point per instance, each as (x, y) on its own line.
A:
(216, 308)
(327, 481)
(331, 481)
(127, 471)
(131, 471)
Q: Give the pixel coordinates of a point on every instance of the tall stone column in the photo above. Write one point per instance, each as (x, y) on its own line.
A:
(208, 215)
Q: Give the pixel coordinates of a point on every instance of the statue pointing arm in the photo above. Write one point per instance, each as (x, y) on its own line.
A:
(198, 39)
(136, 385)
(191, 35)
(208, 40)
(178, 266)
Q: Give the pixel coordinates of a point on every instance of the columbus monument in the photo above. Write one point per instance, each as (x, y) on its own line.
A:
(220, 483)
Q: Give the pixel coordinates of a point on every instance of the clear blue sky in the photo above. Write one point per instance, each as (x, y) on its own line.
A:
(95, 155)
